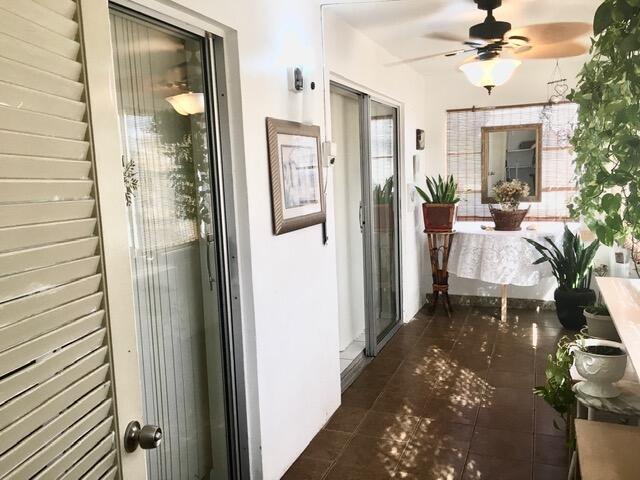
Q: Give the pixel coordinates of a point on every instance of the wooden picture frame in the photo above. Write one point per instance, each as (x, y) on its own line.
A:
(485, 132)
(295, 168)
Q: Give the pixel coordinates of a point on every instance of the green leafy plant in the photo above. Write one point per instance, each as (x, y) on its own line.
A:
(557, 390)
(383, 194)
(573, 265)
(440, 190)
(597, 309)
(607, 137)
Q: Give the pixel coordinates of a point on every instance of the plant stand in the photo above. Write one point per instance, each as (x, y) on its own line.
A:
(439, 248)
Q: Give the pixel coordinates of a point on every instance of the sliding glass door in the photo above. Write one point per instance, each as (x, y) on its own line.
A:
(161, 81)
(384, 231)
(366, 191)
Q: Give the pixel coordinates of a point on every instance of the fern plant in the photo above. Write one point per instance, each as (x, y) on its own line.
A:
(573, 264)
(440, 190)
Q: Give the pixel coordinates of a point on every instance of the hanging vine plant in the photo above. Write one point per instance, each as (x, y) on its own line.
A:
(607, 138)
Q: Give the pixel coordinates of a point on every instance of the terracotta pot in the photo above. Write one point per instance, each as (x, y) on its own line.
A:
(384, 217)
(439, 217)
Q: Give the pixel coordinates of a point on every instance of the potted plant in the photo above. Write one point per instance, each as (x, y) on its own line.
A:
(601, 363)
(439, 207)
(599, 322)
(572, 267)
(509, 194)
(383, 201)
(607, 139)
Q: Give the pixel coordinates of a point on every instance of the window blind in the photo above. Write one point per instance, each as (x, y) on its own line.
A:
(464, 143)
(56, 407)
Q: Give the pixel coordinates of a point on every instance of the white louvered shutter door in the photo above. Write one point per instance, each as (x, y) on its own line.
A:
(56, 408)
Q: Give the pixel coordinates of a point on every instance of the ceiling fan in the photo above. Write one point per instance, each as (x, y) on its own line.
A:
(498, 49)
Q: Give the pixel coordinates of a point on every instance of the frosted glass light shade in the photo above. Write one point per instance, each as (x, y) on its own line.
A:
(187, 103)
(489, 73)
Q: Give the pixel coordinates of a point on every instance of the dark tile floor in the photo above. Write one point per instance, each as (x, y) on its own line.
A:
(447, 399)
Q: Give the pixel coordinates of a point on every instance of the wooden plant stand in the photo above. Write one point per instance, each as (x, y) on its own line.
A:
(439, 248)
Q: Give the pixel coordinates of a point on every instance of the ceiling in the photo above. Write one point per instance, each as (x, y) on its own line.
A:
(400, 26)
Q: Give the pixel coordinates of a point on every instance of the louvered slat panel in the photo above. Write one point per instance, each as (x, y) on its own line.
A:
(23, 190)
(40, 101)
(99, 451)
(48, 366)
(23, 260)
(66, 8)
(83, 447)
(20, 284)
(21, 355)
(29, 213)
(24, 307)
(19, 429)
(19, 120)
(39, 58)
(103, 470)
(30, 445)
(87, 433)
(43, 233)
(56, 406)
(28, 328)
(37, 35)
(94, 421)
(17, 166)
(16, 73)
(40, 15)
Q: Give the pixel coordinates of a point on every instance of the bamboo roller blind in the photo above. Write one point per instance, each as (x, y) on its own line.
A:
(464, 157)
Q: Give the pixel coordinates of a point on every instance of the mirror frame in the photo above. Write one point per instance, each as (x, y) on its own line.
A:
(485, 197)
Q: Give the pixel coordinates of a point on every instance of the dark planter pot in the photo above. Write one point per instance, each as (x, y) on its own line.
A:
(569, 305)
(439, 217)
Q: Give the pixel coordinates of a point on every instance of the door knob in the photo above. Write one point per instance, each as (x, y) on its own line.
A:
(147, 437)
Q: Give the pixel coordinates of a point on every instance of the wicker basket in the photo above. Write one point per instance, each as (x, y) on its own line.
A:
(507, 220)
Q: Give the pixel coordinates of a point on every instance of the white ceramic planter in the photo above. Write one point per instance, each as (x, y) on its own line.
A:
(601, 326)
(600, 371)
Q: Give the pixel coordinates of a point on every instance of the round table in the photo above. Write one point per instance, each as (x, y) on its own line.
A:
(503, 258)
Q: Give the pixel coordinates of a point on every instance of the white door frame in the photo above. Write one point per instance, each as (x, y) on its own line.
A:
(105, 132)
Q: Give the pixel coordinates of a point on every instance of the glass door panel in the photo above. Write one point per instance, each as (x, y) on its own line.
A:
(161, 95)
(383, 155)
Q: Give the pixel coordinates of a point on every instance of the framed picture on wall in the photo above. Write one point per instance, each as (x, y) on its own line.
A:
(297, 199)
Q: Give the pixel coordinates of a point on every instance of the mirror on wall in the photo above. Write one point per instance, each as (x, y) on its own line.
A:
(512, 152)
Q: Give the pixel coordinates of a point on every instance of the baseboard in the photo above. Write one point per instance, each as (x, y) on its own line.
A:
(517, 303)
(349, 375)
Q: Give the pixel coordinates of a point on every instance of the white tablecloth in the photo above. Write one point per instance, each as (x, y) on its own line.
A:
(502, 257)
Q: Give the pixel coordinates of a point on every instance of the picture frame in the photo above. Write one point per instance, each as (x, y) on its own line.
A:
(295, 168)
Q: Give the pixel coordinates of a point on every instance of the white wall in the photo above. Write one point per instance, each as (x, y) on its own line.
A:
(354, 59)
(451, 90)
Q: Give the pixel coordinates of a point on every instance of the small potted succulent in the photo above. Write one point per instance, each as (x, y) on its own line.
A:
(440, 203)
(383, 201)
(509, 194)
(572, 265)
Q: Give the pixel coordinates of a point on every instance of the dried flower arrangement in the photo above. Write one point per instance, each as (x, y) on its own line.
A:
(510, 193)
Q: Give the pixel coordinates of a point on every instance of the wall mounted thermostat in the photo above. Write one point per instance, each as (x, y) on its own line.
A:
(296, 79)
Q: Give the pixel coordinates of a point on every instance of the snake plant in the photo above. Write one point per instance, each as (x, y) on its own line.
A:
(440, 190)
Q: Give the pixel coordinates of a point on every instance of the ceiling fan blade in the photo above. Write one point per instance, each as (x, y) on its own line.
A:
(427, 57)
(447, 37)
(547, 33)
(556, 50)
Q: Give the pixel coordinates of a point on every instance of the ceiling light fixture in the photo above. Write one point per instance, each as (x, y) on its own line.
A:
(489, 72)
(187, 103)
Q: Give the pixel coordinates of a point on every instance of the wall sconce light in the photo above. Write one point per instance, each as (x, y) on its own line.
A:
(187, 103)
